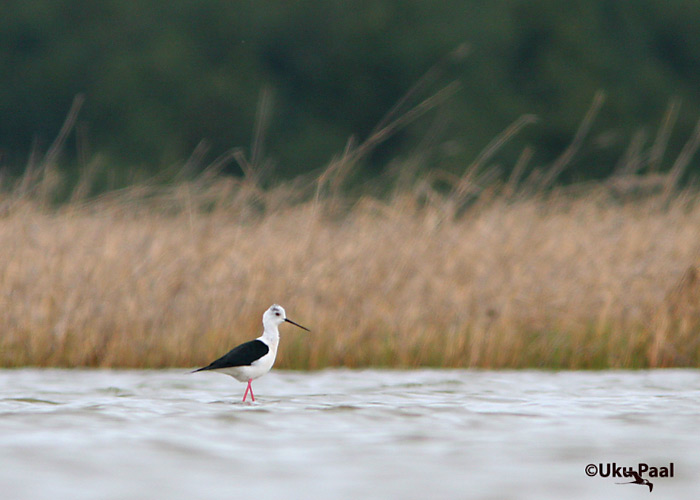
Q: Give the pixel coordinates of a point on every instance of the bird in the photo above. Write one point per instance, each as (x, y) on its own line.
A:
(640, 480)
(255, 358)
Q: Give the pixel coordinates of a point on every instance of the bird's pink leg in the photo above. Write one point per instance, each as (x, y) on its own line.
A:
(246, 392)
(251, 390)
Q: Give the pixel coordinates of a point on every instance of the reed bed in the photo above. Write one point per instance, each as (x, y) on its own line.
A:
(155, 277)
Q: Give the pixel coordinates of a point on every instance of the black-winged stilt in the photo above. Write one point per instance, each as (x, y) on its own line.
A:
(254, 359)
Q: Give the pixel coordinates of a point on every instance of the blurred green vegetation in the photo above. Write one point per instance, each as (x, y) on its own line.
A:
(160, 76)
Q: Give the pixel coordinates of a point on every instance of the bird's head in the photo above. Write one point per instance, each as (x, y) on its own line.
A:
(276, 315)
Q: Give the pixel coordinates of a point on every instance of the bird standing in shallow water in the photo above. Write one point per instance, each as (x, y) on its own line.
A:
(254, 359)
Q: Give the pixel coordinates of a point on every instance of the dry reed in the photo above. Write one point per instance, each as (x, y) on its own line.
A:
(174, 277)
(476, 275)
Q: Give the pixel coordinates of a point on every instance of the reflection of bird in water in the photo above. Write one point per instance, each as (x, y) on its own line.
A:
(640, 480)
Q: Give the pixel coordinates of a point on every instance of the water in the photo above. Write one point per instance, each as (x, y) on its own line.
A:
(82, 434)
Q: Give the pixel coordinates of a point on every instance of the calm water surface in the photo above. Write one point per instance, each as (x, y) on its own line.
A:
(85, 434)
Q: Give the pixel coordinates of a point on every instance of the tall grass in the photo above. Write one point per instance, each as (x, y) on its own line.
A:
(482, 274)
(175, 276)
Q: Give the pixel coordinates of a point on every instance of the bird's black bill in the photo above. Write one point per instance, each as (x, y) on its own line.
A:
(296, 324)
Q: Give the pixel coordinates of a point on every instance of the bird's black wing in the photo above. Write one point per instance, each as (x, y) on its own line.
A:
(243, 355)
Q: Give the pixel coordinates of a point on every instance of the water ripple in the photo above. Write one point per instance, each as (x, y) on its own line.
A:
(343, 434)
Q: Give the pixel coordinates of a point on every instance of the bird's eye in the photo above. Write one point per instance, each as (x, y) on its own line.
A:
(277, 314)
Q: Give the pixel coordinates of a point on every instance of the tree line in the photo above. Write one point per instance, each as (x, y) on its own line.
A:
(291, 82)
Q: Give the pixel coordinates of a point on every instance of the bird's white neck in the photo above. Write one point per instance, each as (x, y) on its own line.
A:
(271, 334)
